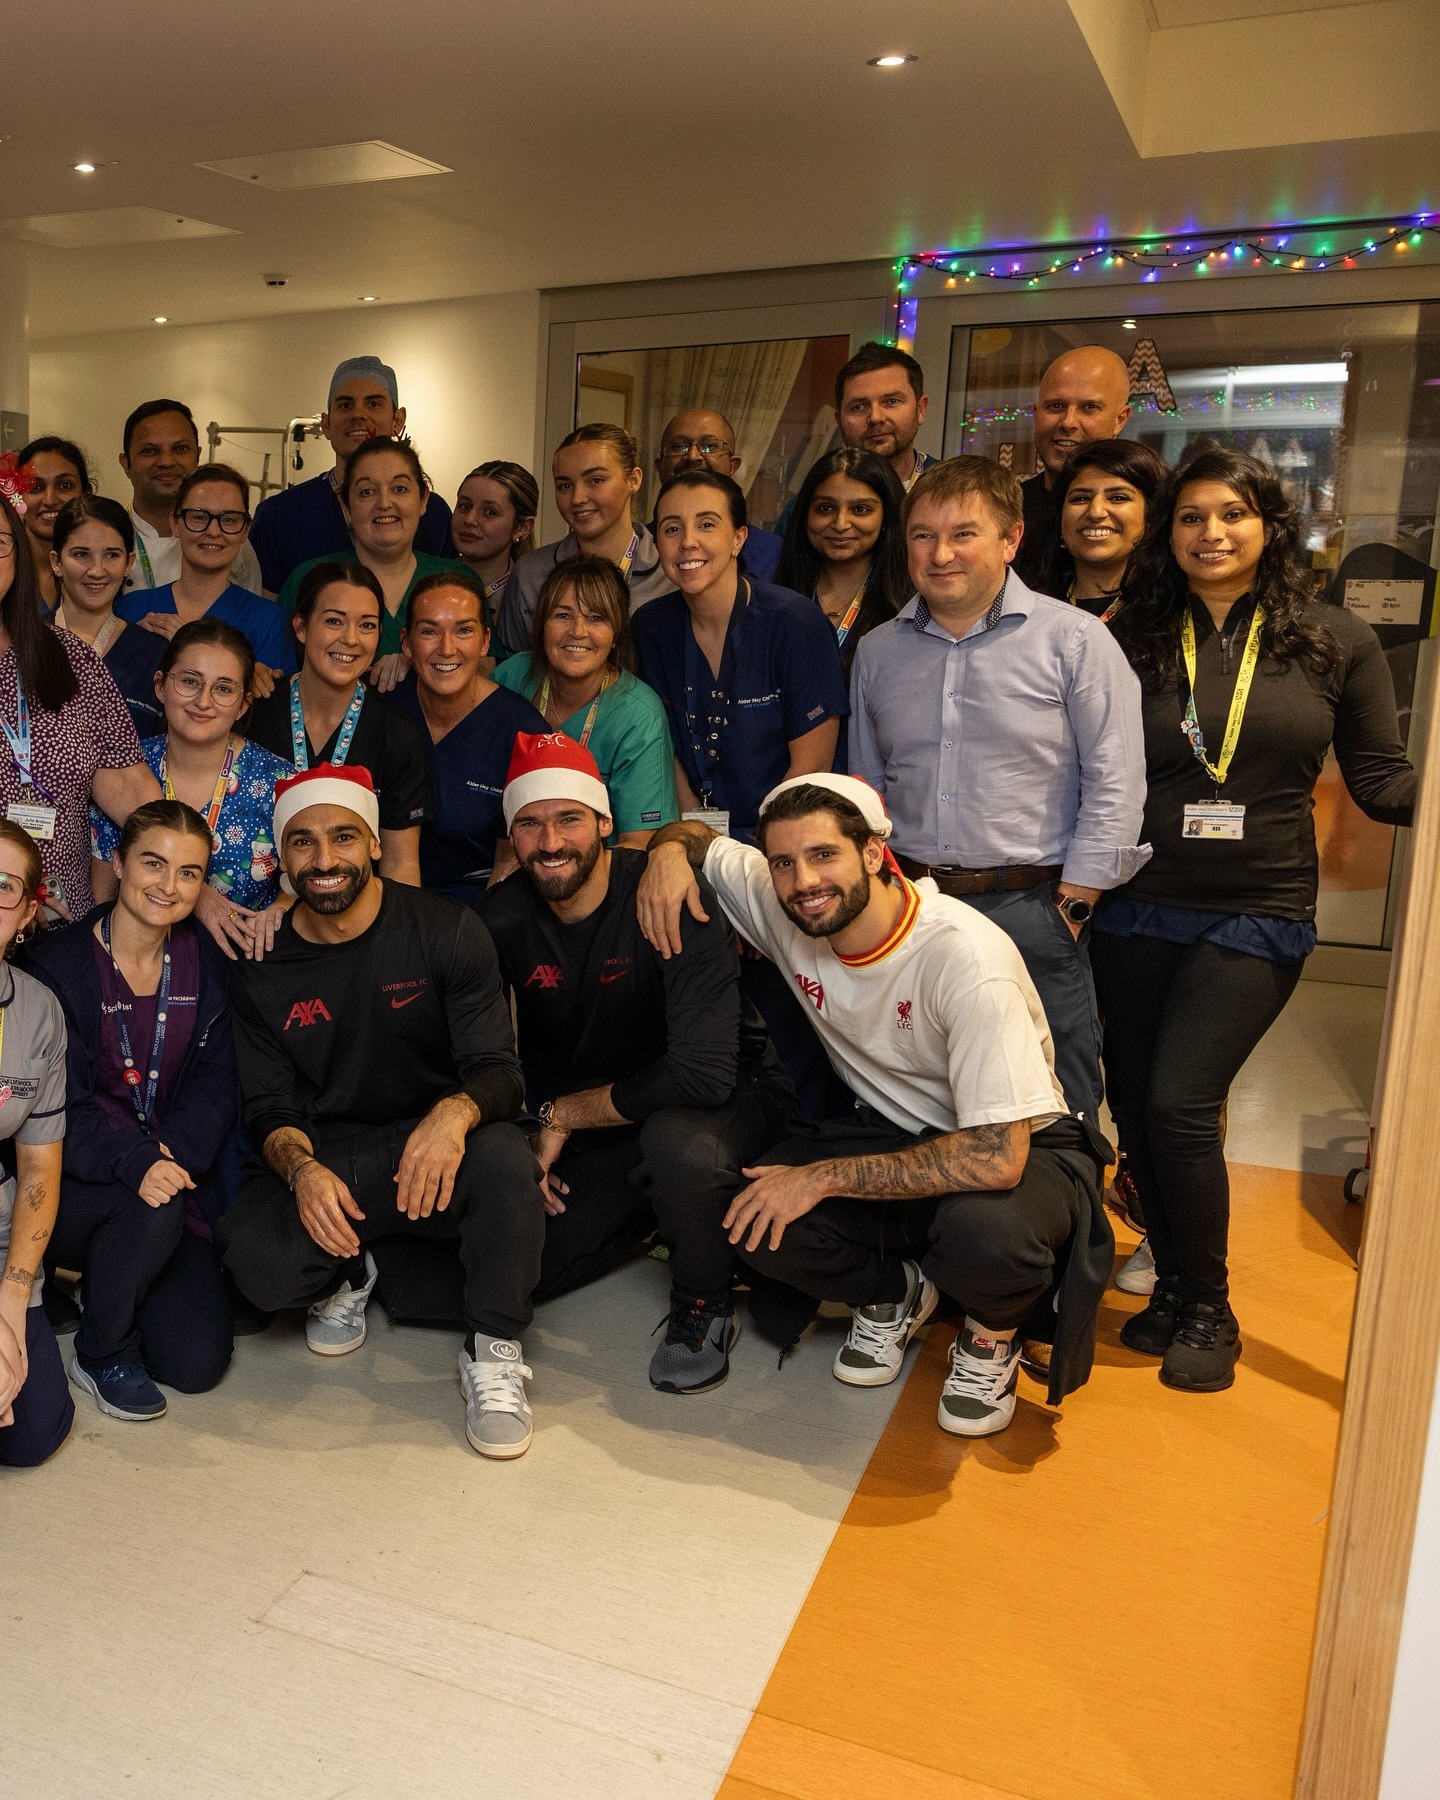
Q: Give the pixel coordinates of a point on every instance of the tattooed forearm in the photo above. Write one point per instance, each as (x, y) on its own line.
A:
(983, 1158)
(20, 1277)
(35, 1195)
(695, 837)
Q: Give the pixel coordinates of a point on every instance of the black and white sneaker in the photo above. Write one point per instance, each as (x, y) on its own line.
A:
(694, 1354)
(872, 1354)
(978, 1398)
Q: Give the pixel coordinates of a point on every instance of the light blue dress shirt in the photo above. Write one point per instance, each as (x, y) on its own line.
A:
(1018, 743)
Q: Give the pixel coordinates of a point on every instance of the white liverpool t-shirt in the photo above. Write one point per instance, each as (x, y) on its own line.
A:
(939, 1027)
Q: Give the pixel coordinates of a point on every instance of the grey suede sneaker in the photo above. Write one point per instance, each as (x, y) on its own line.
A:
(335, 1326)
(978, 1398)
(872, 1354)
(694, 1354)
(498, 1421)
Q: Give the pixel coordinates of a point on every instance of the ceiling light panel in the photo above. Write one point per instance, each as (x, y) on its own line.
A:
(101, 226)
(332, 165)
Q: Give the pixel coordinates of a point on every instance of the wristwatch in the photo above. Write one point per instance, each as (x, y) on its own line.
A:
(546, 1116)
(1075, 910)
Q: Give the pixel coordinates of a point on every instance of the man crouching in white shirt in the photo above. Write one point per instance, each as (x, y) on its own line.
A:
(960, 1170)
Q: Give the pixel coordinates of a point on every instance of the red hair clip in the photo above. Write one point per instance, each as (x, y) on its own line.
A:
(15, 482)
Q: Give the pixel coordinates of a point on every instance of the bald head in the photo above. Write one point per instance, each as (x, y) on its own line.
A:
(697, 439)
(1085, 393)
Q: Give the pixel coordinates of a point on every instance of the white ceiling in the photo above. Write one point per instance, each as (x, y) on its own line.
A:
(635, 140)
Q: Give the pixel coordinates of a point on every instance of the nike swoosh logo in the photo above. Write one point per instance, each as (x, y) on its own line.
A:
(397, 1004)
(606, 979)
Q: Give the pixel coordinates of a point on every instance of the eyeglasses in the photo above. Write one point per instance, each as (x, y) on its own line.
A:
(231, 523)
(222, 692)
(12, 892)
(7, 545)
(705, 446)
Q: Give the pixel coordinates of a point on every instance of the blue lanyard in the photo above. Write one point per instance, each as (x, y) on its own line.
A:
(298, 745)
(18, 738)
(705, 756)
(146, 1107)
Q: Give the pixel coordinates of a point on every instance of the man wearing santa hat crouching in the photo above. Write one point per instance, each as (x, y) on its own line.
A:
(377, 1069)
(653, 1080)
(960, 1170)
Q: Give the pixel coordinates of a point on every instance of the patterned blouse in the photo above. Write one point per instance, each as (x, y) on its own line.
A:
(244, 865)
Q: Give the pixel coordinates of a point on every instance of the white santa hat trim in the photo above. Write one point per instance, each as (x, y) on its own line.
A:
(859, 793)
(297, 796)
(555, 784)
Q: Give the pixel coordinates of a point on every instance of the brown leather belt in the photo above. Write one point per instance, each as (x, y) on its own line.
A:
(960, 882)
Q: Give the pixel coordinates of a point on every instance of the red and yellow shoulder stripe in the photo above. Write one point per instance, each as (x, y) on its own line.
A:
(903, 927)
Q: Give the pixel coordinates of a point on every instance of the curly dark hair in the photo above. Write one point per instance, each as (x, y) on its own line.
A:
(1156, 593)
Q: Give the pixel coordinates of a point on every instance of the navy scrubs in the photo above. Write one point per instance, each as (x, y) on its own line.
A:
(254, 617)
(779, 678)
(133, 659)
(467, 777)
(306, 521)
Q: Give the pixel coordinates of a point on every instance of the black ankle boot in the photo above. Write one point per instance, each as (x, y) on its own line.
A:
(1202, 1354)
(1151, 1331)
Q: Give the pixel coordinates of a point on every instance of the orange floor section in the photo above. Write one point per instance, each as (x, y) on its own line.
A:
(1111, 1603)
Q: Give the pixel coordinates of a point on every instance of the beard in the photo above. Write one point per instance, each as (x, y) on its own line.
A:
(331, 900)
(853, 901)
(563, 884)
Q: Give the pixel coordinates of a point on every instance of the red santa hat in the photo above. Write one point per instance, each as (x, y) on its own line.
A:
(552, 767)
(327, 784)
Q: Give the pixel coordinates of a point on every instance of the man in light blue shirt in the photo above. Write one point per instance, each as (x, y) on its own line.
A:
(1003, 729)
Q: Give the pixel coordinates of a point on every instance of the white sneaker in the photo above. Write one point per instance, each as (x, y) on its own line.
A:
(498, 1420)
(872, 1354)
(336, 1326)
(978, 1398)
(1138, 1275)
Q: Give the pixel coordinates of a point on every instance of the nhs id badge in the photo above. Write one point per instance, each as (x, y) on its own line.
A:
(1214, 819)
(39, 821)
(714, 817)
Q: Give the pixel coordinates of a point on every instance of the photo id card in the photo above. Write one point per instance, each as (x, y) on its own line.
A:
(39, 821)
(713, 817)
(1214, 819)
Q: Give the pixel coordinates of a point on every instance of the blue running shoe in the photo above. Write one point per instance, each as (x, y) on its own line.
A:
(125, 1390)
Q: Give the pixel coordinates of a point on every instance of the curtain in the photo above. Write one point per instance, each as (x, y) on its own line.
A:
(749, 383)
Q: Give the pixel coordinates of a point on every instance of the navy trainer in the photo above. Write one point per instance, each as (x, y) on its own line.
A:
(124, 1390)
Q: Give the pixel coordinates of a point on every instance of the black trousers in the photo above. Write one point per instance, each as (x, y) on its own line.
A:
(819, 1091)
(993, 1253)
(680, 1170)
(152, 1291)
(1180, 1022)
(1059, 965)
(495, 1215)
(43, 1410)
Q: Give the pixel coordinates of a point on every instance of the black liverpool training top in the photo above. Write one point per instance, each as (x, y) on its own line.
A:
(596, 1006)
(375, 1031)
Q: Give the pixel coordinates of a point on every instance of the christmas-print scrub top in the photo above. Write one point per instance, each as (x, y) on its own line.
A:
(244, 862)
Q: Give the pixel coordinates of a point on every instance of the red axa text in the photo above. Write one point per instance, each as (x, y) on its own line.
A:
(308, 1012)
(546, 975)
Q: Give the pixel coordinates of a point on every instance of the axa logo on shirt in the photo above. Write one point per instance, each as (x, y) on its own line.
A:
(308, 1012)
(812, 991)
(902, 1015)
(546, 975)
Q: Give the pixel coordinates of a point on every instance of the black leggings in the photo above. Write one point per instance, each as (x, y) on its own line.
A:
(1180, 1022)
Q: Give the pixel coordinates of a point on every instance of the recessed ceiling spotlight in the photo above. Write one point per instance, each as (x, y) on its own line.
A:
(1127, 325)
(894, 61)
(83, 168)
(369, 296)
(161, 319)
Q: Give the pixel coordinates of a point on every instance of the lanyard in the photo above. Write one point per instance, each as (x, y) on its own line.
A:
(1109, 612)
(705, 755)
(627, 560)
(217, 799)
(300, 749)
(144, 556)
(542, 704)
(1190, 724)
(842, 630)
(18, 738)
(143, 1108)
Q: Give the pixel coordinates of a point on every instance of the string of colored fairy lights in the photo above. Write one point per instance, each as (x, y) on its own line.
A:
(1289, 249)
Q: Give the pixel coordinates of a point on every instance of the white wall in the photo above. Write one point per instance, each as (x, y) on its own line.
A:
(467, 372)
(1412, 1745)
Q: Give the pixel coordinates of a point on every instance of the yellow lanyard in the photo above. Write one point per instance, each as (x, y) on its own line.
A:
(222, 784)
(1190, 724)
(542, 704)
